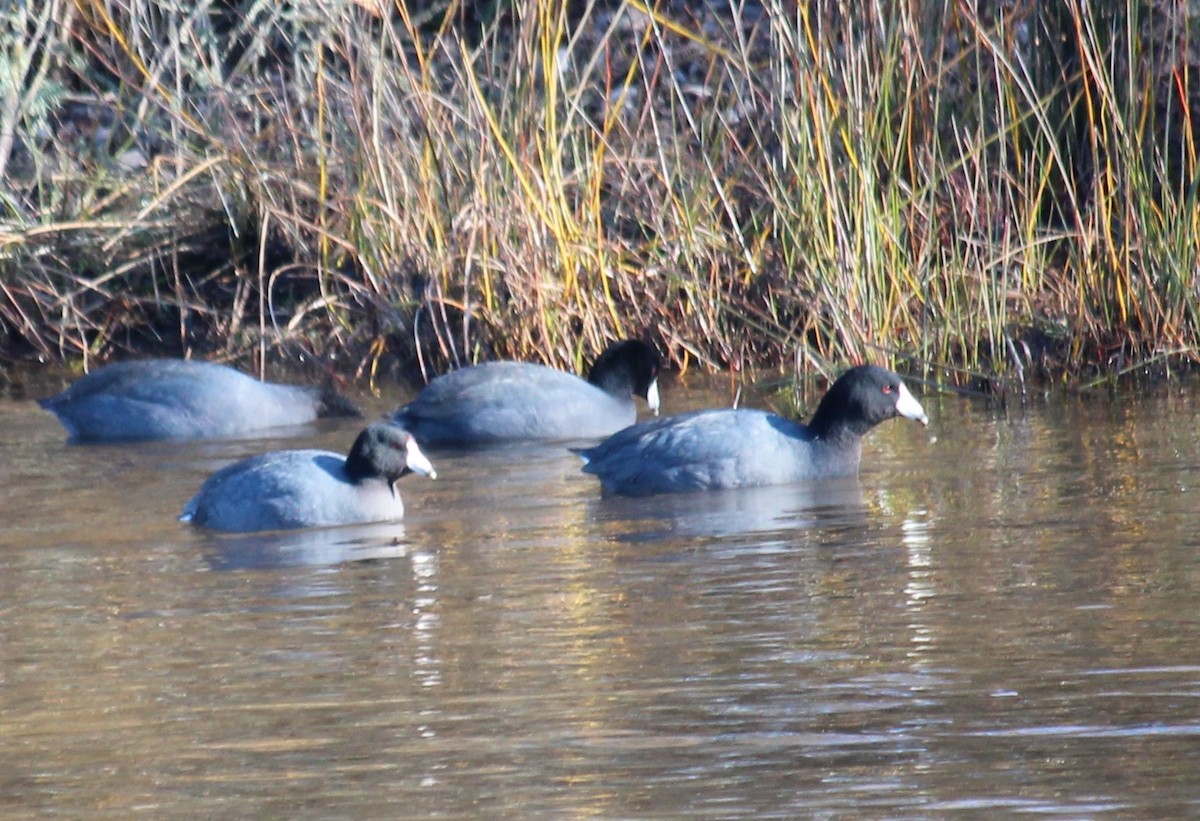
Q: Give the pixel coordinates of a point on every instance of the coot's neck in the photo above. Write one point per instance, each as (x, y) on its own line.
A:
(615, 380)
(361, 467)
(330, 403)
(831, 423)
(358, 467)
(359, 470)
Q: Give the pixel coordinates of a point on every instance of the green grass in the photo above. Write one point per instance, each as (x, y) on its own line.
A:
(992, 197)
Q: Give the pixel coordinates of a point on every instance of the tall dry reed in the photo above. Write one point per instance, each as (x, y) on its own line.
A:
(991, 190)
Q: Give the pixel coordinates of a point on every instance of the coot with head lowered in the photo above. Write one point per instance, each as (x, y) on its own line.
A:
(184, 399)
(514, 401)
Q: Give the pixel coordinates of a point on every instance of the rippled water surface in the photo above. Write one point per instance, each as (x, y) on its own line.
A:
(999, 617)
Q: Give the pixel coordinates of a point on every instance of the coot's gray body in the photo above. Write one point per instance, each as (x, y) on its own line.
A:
(184, 399)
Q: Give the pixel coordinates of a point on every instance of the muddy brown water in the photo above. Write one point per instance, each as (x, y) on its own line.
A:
(999, 617)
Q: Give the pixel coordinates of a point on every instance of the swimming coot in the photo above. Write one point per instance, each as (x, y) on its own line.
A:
(741, 448)
(511, 401)
(312, 488)
(184, 399)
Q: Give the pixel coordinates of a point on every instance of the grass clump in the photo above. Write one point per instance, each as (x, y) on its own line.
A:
(984, 191)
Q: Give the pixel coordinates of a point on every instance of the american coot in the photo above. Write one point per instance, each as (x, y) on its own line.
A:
(509, 401)
(184, 399)
(743, 448)
(312, 488)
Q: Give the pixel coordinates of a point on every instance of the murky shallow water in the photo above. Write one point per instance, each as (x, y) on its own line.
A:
(1001, 621)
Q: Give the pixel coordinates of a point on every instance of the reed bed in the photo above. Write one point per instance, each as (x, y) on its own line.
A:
(980, 192)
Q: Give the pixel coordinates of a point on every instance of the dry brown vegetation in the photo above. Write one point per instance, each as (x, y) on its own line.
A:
(978, 190)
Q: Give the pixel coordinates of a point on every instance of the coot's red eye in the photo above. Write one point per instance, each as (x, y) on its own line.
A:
(887, 389)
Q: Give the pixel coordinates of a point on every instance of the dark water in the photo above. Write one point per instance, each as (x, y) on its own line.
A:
(1001, 617)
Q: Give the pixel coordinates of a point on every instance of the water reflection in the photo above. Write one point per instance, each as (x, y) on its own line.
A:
(314, 547)
(778, 511)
